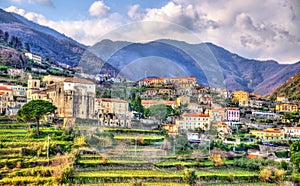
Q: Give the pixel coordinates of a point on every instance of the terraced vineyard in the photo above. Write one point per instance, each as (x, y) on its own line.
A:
(122, 158)
(126, 159)
(23, 157)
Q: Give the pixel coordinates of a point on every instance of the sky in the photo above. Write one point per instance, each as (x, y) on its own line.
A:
(256, 29)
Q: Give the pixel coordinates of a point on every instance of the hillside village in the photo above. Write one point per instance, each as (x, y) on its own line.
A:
(237, 116)
(103, 123)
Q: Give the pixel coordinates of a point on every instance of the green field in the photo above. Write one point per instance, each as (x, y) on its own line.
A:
(226, 172)
(129, 173)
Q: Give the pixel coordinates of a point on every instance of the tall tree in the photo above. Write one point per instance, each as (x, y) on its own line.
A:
(34, 111)
(6, 36)
(136, 104)
(295, 155)
(161, 112)
(27, 47)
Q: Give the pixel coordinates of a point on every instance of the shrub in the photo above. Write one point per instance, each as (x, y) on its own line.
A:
(217, 159)
(104, 159)
(189, 176)
(279, 175)
(265, 174)
(135, 182)
(80, 141)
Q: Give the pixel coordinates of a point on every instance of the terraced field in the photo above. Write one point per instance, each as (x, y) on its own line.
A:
(23, 158)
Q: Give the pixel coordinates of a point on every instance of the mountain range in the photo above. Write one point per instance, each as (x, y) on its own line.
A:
(210, 64)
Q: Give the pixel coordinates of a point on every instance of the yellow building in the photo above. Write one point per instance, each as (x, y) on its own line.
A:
(240, 96)
(39, 94)
(286, 107)
(172, 129)
(183, 81)
(193, 121)
(269, 134)
(53, 79)
(183, 100)
(113, 112)
(6, 98)
(33, 85)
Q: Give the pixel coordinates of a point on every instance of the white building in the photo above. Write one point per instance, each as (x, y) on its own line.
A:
(291, 131)
(264, 115)
(35, 58)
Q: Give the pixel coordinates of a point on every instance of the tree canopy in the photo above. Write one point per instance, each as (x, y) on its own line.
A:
(34, 111)
(161, 112)
(136, 104)
(295, 154)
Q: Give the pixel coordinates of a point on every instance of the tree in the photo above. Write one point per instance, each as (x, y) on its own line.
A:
(136, 104)
(217, 159)
(6, 36)
(27, 47)
(34, 111)
(161, 112)
(106, 94)
(295, 147)
(292, 116)
(295, 159)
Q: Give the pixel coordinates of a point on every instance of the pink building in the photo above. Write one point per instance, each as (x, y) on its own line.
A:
(232, 114)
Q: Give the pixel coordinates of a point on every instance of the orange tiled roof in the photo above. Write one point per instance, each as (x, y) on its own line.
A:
(292, 128)
(194, 115)
(232, 108)
(5, 88)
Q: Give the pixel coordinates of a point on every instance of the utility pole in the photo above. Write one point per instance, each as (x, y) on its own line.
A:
(174, 146)
(135, 146)
(48, 143)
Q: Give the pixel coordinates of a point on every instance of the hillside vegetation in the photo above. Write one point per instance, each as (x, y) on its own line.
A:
(290, 89)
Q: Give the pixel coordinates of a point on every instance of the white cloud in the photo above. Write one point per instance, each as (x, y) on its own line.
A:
(132, 12)
(98, 8)
(28, 15)
(85, 31)
(255, 29)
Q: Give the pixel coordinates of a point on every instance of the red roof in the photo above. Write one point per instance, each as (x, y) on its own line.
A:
(231, 108)
(195, 115)
(5, 88)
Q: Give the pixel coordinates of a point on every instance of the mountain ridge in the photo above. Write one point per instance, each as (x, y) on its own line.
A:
(48, 45)
(212, 65)
(239, 73)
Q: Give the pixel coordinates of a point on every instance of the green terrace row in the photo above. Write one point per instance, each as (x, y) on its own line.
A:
(235, 175)
(126, 164)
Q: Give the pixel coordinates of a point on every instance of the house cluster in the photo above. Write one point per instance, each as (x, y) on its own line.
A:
(198, 111)
(200, 107)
